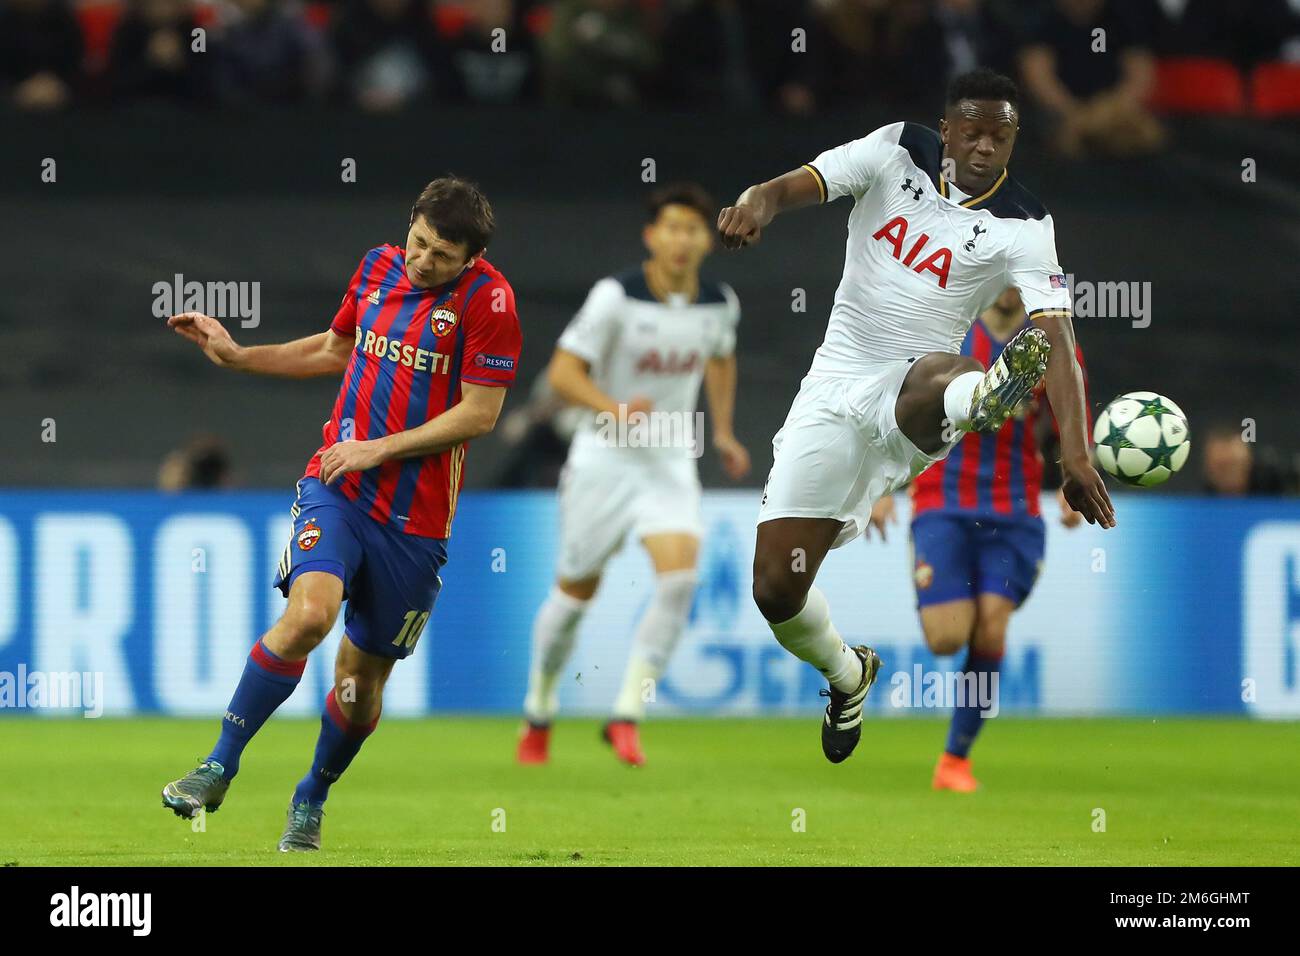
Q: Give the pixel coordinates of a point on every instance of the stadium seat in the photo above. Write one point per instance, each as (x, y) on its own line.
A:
(449, 19)
(1198, 85)
(319, 15)
(538, 20)
(1275, 89)
(97, 22)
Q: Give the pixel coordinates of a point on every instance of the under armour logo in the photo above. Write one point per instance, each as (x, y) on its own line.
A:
(908, 188)
(969, 244)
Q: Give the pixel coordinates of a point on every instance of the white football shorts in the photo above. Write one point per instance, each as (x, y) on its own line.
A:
(841, 449)
(609, 493)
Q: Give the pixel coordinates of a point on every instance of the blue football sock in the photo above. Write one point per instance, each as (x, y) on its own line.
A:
(968, 717)
(266, 683)
(338, 743)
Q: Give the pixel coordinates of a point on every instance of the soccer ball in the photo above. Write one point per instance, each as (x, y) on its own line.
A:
(1141, 438)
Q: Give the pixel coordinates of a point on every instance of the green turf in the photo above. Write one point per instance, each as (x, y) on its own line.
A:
(714, 792)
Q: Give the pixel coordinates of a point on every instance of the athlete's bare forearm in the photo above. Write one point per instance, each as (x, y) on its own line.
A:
(720, 389)
(571, 378)
(472, 417)
(742, 224)
(1065, 392)
(325, 353)
(792, 190)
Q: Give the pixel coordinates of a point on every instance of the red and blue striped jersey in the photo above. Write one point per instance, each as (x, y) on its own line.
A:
(414, 348)
(990, 474)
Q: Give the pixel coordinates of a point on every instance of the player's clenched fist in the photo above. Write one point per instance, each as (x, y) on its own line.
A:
(738, 227)
(208, 334)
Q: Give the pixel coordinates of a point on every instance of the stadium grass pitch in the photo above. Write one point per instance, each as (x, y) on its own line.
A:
(1188, 792)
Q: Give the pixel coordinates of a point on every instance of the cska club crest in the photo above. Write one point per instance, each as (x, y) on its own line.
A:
(443, 319)
(923, 575)
(308, 536)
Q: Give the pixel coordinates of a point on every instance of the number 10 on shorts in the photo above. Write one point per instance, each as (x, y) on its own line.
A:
(412, 626)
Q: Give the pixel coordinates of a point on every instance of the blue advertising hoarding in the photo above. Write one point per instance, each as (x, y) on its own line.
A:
(1189, 606)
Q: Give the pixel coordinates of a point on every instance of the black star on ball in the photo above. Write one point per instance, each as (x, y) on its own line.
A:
(1162, 454)
(1115, 437)
(1154, 406)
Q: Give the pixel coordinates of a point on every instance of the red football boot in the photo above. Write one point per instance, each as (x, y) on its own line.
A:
(534, 743)
(953, 773)
(622, 736)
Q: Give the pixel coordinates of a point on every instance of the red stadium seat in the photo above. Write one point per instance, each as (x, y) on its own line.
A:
(1198, 85)
(97, 22)
(319, 15)
(538, 20)
(1275, 89)
(449, 20)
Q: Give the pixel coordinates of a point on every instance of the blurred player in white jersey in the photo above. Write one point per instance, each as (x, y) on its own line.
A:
(938, 230)
(635, 356)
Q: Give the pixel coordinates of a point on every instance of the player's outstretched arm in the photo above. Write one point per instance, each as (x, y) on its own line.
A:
(720, 389)
(743, 224)
(325, 353)
(474, 415)
(1081, 484)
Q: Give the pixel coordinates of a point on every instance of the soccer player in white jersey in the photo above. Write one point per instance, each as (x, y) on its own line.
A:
(636, 353)
(938, 230)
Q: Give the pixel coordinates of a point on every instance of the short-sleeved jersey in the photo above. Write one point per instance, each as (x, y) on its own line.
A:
(923, 260)
(413, 349)
(637, 345)
(992, 474)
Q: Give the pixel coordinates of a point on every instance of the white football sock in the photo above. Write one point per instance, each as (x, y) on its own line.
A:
(555, 629)
(810, 636)
(957, 398)
(658, 632)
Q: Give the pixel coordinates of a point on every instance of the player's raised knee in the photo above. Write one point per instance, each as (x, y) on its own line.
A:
(946, 368)
(961, 365)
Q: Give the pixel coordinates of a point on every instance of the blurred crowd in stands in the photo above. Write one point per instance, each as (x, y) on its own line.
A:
(794, 56)
(1232, 467)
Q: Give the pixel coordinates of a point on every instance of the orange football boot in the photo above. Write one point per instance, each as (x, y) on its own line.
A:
(534, 744)
(953, 773)
(622, 736)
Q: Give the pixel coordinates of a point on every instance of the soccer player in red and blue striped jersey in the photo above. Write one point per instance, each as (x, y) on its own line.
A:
(978, 540)
(427, 339)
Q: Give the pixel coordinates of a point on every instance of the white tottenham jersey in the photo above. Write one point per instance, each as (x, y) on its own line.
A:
(638, 346)
(923, 260)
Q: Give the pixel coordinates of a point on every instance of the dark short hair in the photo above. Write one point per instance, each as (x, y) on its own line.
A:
(983, 84)
(459, 211)
(691, 195)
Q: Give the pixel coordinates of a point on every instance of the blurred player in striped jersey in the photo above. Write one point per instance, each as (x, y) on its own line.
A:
(978, 539)
(642, 343)
(427, 339)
